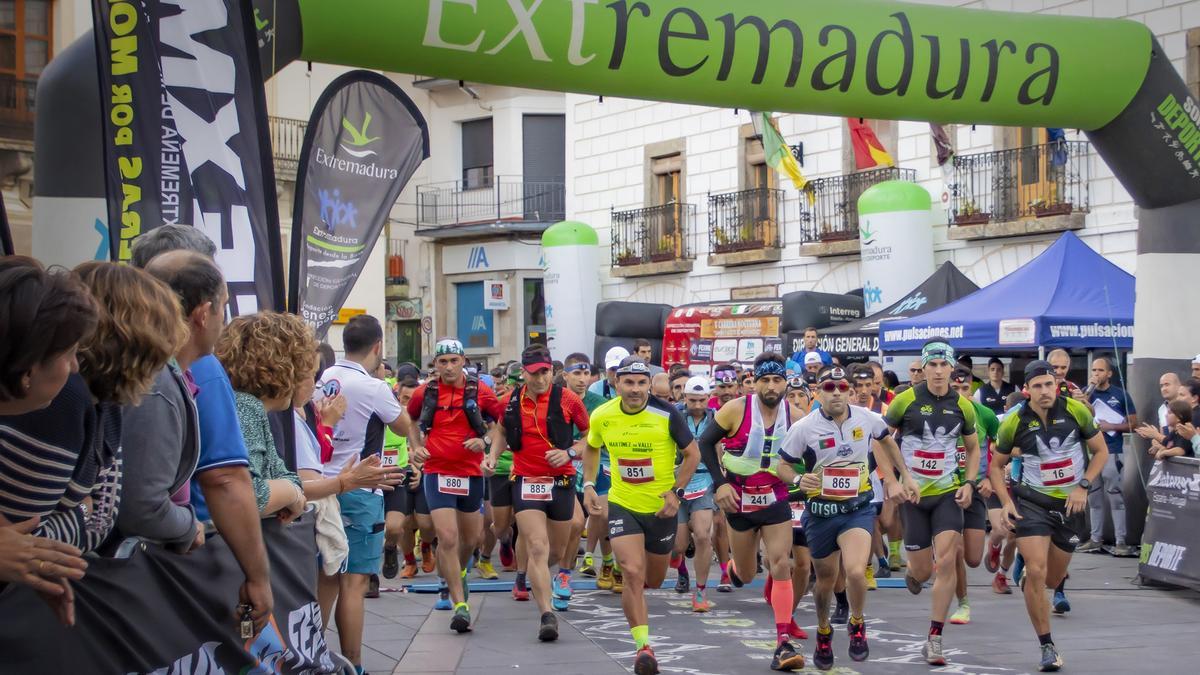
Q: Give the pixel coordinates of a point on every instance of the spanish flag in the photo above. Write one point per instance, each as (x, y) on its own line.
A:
(868, 151)
(779, 155)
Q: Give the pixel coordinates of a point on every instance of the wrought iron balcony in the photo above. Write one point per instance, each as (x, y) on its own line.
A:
(834, 214)
(18, 103)
(287, 137)
(745, 221)
(653, 235)
(1031, 182)
(452, 208)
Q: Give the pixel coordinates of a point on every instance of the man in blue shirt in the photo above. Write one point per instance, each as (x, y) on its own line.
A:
(811, 342)
(1116, 416)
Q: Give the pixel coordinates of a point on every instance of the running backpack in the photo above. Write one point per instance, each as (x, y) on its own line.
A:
(561, 433)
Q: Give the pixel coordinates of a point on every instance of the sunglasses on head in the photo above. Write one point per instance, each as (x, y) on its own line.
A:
(840, 385)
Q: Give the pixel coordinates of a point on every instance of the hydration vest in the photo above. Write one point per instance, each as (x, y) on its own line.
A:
(560, 432)
(753, 447)
(470, 406)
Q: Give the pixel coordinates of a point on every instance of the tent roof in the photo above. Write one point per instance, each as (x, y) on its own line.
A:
(1069, 296)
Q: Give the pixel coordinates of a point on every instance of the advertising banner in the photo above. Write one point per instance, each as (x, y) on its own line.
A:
(160, 612)
(896, 241)
(363, 143)
(185, 135)
(1171, 541)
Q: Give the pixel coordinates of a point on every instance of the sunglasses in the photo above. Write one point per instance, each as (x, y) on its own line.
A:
(914, 370)
(830, 387)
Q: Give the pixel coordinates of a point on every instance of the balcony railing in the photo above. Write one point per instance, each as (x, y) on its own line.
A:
(834, 213)
(745, 221)
(654, 234)
(287, 136)
(1029, 182)
(507, 199)
(18, 103)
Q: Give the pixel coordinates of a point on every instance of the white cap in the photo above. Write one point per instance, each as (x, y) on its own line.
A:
(697, 385)
(1196, 360)
(614, 357)
(812, 357)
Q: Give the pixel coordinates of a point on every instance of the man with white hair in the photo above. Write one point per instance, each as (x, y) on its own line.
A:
(697, 508)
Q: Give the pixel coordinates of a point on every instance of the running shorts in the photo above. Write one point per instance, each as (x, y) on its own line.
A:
(501, 489)
(689, 506)
(823, 533)
(926, 519)
(799, 538)
(1045, 516)
(659, 532)
(975, 516)
(553, 497)
(463, 494)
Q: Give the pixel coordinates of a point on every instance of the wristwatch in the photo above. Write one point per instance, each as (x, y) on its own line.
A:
(796, 480)
(589, 484)
(1085, 484)
(572, 454)
(679, 493)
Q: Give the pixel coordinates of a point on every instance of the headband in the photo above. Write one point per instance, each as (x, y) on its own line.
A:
(449, 346)
(834, 373)
(582, 365)
(936, 350)
(769, 368)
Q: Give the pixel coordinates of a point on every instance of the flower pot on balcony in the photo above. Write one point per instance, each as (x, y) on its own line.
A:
(736, 246)
(972, 218)
(664, 256)
(627, 259)
(1058, 209)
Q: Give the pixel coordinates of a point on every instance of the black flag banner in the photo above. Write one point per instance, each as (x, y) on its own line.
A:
(186, 136)
(163, 613)
(1171, 542)
(363, 143)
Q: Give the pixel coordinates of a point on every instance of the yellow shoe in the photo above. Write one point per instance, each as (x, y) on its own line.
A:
(618, 582)
(605, 581)
(486, 570)
(871, 585)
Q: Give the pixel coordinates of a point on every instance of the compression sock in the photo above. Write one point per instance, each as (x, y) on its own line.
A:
(781, 603)
(682, 566)
(894, 548)
(606, 559)
(520, 580)
(409, 558)
(856, 620)
(842, 600)
(935, 627)
(641, 636)
(1045, 639)
(1061, 587)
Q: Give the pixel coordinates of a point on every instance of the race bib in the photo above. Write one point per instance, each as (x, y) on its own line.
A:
(695, 494)
(839, 482)
(536, 489)
(929, 463)
(459, 486)
(1058, 472)
(636, 470)
(960, 456)
(757, 498)
(798, 514)
(390, 457)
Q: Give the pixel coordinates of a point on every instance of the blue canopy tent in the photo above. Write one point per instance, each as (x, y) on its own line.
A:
(1069, 297)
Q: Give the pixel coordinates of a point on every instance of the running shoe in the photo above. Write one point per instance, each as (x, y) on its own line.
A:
(913, 585)
(883, 570)
(372, 587)
(1000, 585)
(1051, 661)
(932, 651)
(428, 560)
(1091, 546)
(588, 568)
(992, 560)
(725, 585)
(443, 601)
(645, 663)
(486, 570)
(962, 615)
(561, 586)
(618, 585)
(409, 571)
(520, 593)
(605, 581)
(1122, 551)
(391, 562)
(548, 631)
(683, 584)
(787, 658)
(823, 654)
(461, 622)
(508, 559)
(895, 561)
(1061, 604)
(841, 614)
(871, 585)
(859, 651)
(794, 630)
(700, 602)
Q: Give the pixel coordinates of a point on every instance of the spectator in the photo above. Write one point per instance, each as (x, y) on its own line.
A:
(1060, 360)
(1168, 387)
(645, 351)
(327, 357)
(267, 356)
(812, 340)
(1115, 416)
(916, 373)
(160, 437)
(995, 391)
(43, 318)
(222, 476)
(1180, 439)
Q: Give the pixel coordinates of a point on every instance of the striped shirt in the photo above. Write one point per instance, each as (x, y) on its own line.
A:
(54, 458)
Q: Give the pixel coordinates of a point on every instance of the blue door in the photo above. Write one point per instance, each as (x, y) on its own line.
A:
(474, 322)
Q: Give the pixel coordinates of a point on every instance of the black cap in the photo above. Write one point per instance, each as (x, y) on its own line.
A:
(407, 371)
(1037, 369)
(961, 374)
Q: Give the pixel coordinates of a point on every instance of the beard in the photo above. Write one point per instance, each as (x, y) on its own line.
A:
(770, 399)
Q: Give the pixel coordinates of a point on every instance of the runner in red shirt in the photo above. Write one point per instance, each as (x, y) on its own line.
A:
(538, 425)
(451, 439)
